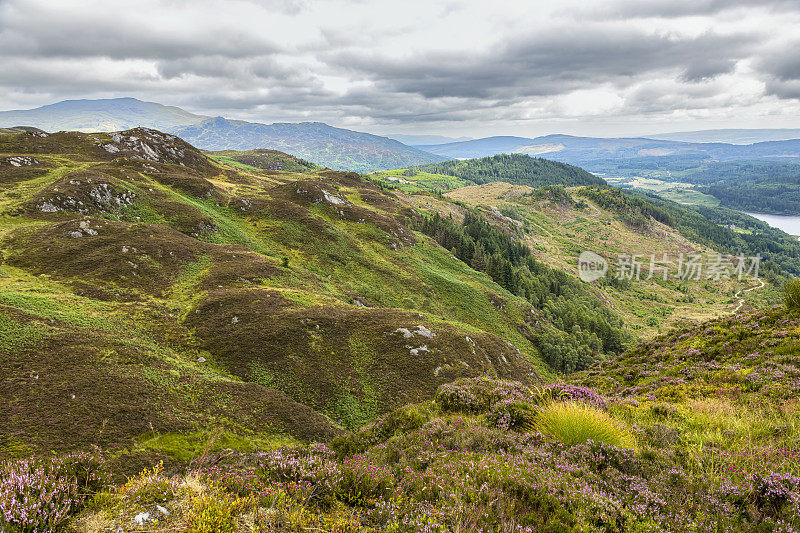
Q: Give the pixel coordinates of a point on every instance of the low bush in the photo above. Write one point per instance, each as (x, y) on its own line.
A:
(363, 482)
(476, 395)
(310, 473)
(511, 415)
(575, 423)
(403, 419)
(214, 514)
(565, 392)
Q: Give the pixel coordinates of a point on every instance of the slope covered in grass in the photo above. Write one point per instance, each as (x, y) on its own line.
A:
(263, 159)
(176, 294)
(469, 461)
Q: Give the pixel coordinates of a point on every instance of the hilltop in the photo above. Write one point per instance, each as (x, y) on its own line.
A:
(517, 169)
(335, 148)
(759, 176)
(112, 114)
(593, 152)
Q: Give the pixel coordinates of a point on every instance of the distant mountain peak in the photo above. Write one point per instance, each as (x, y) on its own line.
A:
(335, 148)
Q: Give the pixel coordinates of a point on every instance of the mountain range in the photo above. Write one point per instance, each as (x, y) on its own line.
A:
(335, 148)
(589, 151)
(732, 136)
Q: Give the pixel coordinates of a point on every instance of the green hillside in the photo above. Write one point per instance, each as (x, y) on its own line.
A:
(256, 160)
(173, 294)
(178, 329)
(695, 431)
(518, 169)
(335, 148)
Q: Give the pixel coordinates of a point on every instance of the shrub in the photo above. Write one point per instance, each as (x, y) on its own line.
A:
(403, 419)
(476, 395)
(791, 293)
(576, 423)
(363, 482)
(565, 392)
(212, 514)
(310, 472)
(149, 487)
(511, 415)
(38, 495)
(771, 494)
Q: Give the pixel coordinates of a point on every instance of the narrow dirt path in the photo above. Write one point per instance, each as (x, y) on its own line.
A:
(739, 293)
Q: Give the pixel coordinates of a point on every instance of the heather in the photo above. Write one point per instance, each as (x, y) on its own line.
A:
(450, 465)
(38, 495)
(695, 431)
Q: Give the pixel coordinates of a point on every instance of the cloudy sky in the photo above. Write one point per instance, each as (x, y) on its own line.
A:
(477, 68)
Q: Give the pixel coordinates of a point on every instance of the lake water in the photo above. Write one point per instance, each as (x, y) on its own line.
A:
(787, 223)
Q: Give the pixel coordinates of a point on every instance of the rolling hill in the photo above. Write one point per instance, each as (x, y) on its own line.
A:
(759, 177)
(591, 152)
(732, 136)
(335, 148)
(517, 169)
(274, 306)
(112, 114)
(263, 160)
(251, 348)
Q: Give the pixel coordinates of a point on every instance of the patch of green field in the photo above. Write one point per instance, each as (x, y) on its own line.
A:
(193, 446)
(420, 181)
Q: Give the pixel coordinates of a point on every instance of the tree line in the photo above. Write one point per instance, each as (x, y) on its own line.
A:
(518, 169)
(574, 327)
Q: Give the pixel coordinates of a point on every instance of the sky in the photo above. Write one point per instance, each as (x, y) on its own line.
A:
(474, 68)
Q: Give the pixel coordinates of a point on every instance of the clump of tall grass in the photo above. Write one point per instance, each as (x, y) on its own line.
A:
(575, 423)
(791, 293)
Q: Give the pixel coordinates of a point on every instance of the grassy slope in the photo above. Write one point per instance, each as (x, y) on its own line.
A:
(558, 233)
(725, 390)
(514, 168)
(711, 412)
(150, 313)
(255, 160)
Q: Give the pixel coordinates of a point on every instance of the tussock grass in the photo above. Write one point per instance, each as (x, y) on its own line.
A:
(575, 423)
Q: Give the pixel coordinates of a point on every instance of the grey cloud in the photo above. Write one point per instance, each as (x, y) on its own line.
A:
(57, 34)
(548, 64)
(708, 69)
(786, 89)
(627, 9)
(216, 67)
(781, 70)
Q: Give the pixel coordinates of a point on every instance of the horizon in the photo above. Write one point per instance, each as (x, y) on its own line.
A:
(614, 69)
(452, 140)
